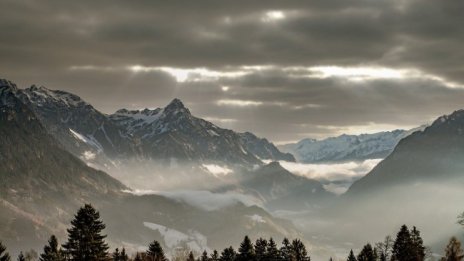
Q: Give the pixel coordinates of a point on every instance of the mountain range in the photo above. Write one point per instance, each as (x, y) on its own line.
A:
(165, 133)
(347, 147)
(42, 185)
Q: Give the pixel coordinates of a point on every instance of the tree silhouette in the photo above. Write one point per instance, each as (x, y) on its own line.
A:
(403, 249)
(453, 251)
(272, 253)
(228, 254)
(85, 241)
(246, 252)
(215, 256)
(155, 252)
(4, 256)
(298, 251)
(285, 250)
(367, 254)
(351, 256)
(51, 251)
(260, 249)
(418, 248)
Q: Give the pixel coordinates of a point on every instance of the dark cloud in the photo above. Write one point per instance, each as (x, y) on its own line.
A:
(41, 41)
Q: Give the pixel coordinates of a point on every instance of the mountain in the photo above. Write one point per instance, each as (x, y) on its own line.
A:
(283, 190)
(435, 154)
(40, 181)
(346, 147)
(164, 133)
(42, 185)
(77, 125)
(173, 132)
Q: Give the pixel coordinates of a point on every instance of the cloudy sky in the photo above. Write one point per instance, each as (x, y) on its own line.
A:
(285, 70)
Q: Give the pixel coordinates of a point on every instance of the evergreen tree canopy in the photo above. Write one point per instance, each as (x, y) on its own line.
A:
(260, 249)
(155, 252)
(191, 257)
(123, 256)
(418, 248)
(228, 254)
(298, 251)
(461, 219)
(204, 256)
(272, 253)
(246, 252)
(367, 254)
(85, 241)
(215, 256)
(403, 249)
(51, 251)
(4, 256)
(285, 250)
(453, 251)
(351, 256)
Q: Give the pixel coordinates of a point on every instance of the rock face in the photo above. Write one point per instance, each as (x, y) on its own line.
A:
(164, 133)
(346, 147)
(435, 154)
(42, 185)
(173, 132)
(40, 182)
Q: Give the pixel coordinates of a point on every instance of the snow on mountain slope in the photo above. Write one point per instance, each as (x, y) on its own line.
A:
(346, 147)
(173, 132)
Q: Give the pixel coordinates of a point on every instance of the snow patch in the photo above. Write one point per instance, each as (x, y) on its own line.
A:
(217, 170)
(88, 155)
(257, 218)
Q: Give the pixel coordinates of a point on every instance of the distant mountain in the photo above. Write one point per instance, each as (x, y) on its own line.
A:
(283, 190)
(165, 133)
(173, 132)
(435, 154)
(346, 147)
(42, 185)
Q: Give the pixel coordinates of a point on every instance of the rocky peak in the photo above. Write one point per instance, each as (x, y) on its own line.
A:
(175, 107)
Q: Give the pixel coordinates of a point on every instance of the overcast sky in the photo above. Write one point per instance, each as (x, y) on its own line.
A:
(285, 70)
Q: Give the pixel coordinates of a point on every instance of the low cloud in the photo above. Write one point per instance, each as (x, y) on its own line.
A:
(204, 199)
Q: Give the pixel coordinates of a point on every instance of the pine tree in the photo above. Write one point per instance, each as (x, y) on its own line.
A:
(4, 256)
(367, 254)
(228, 254)
(351, 256)
(285, 250)
(85, 241)
(403, 249)
(272, 253)
(155, 252)
(204, 256)
(418, 248)
(116, 255)
(260, 249)
(191, 257)
(215, 256)
(298, 251)
(51, 251)
(453, 251)
(138, 257)
(123, 256)
(246, 252)
(21, 257)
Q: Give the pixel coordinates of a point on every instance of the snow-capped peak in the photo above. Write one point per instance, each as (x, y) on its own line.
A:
(176, 106)
(42, 95)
